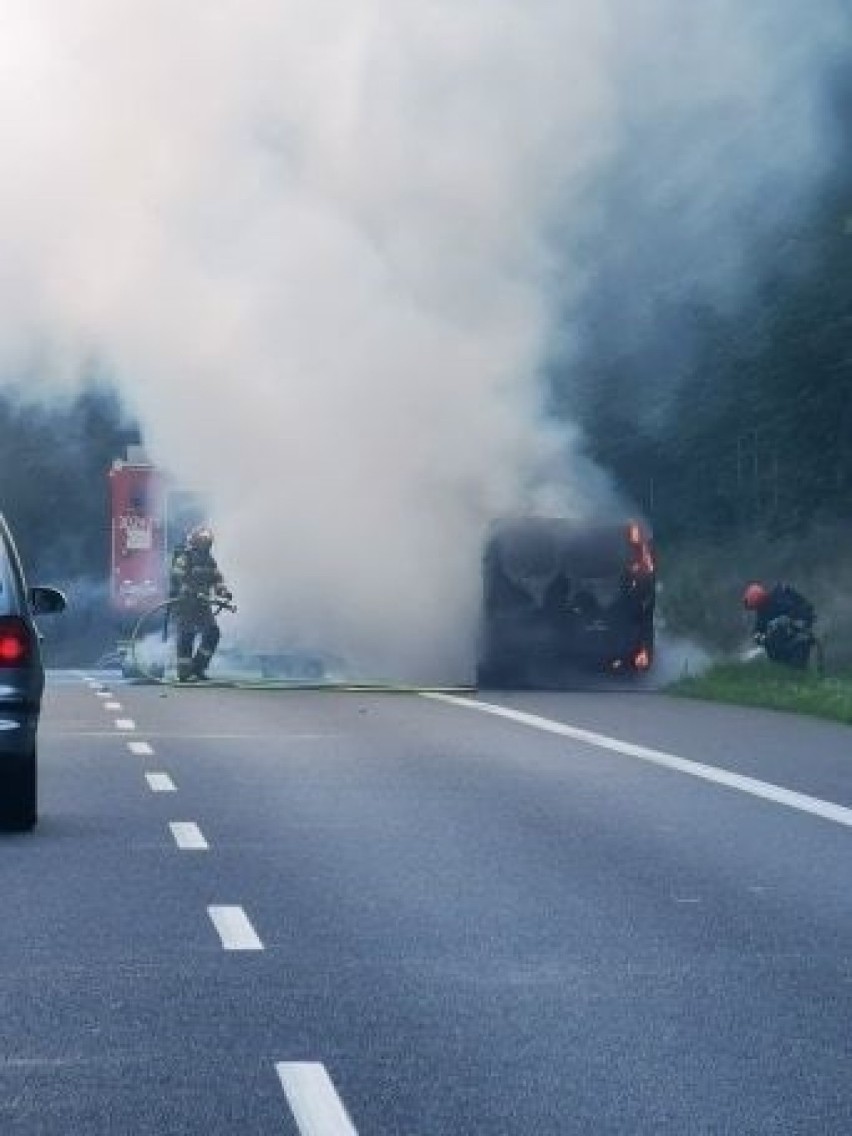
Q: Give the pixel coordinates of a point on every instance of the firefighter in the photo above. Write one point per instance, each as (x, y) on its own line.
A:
(783, 622)
(194, 581)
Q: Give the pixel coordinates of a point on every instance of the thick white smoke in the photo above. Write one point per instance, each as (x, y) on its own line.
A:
(315, 241)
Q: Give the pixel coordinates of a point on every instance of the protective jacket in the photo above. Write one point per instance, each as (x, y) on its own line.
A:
(783, 601)
(194, 572)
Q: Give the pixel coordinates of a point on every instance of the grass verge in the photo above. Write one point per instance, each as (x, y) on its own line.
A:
(764, 684)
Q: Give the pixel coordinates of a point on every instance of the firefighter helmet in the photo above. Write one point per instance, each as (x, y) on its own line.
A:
(755, 596)
(200, 538)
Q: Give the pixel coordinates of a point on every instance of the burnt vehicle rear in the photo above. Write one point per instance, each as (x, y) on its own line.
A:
(559, 593)
(21, 685)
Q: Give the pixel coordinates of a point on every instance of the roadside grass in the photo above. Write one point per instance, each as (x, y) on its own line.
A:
(761, 683)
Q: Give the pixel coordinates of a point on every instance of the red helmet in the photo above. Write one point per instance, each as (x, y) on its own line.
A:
(200, 538)
(755, 596)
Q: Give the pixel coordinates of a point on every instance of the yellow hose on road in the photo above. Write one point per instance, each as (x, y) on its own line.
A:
(238, 683)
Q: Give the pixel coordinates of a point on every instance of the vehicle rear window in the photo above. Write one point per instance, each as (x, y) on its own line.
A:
(580, 551)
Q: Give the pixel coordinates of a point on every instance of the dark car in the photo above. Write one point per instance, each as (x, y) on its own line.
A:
(557, 592)
(21, 685)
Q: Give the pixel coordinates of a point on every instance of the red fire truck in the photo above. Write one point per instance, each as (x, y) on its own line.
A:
(138, 546)
(149, 519)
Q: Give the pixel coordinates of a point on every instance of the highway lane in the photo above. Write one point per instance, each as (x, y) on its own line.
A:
(470, 924)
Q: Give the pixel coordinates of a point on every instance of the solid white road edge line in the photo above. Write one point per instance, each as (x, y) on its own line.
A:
(235, 930)
(141, 749)
(313, 1099)
(160, 783)
(763, 789)
(125, 724)
(188, 836)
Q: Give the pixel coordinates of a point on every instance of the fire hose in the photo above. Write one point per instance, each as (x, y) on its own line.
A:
(218, 604)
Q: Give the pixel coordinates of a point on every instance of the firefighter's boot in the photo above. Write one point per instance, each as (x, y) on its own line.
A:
(201, 662)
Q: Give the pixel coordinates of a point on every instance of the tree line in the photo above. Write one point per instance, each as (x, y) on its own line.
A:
(754, 431)
(53, 478)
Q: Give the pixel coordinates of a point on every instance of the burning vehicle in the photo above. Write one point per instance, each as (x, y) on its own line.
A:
(557, 593)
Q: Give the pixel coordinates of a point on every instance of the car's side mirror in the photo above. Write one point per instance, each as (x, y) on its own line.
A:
(46, 601)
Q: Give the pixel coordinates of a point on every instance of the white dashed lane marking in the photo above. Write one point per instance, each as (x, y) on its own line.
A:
(141, 749)
(314, 1102)
(313, 1099)
(160, 783)
(235, 930)
(188, 836)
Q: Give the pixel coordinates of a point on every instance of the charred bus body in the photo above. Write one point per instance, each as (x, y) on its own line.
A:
(559, 593)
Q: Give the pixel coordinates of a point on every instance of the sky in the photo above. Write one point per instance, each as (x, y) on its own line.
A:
(325, 248)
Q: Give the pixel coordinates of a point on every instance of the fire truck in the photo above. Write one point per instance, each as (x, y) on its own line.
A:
(138, 543)
(149, 518)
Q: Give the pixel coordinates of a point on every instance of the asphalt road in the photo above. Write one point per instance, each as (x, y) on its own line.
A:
(328, 913)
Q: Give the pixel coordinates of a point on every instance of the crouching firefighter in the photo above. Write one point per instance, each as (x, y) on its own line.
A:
(783, 623)
(195, 583)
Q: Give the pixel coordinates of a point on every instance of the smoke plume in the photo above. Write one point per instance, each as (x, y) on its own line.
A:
(324, 247)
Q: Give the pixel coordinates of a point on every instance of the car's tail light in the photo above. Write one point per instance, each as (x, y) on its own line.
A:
(642, 659)
(16, 642)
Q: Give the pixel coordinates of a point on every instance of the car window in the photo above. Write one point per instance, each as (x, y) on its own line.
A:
(7, 588)
(12, 584)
